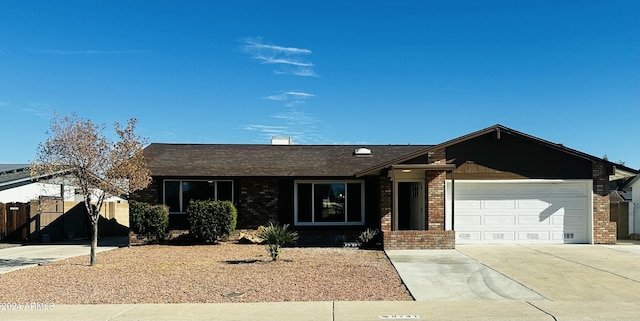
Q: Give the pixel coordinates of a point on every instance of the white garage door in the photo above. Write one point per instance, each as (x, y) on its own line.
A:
(526, 212)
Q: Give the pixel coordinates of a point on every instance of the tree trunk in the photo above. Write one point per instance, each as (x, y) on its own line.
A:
(94, 242)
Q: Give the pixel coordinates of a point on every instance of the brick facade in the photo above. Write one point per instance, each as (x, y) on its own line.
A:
(257, 202)
(150, 194)
(419, 240)
(435, 199)
(435, 237)
(604, 231)
(435, 195)
(386, 197)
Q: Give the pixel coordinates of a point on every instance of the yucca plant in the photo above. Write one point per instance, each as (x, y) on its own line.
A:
(276, 236)
(368, 237)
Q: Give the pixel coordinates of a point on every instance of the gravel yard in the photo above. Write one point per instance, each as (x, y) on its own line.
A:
(208, 273)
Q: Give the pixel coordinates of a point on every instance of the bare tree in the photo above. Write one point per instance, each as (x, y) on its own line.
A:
(77, 150)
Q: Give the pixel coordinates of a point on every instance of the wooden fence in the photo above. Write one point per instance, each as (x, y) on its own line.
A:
(620, 214)
(14, 222)
(50, 219)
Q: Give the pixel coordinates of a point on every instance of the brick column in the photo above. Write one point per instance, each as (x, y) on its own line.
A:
(385, 203)
(435, 200)
(604, 231)
(434, 192)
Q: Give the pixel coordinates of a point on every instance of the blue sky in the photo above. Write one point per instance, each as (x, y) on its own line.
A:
(325, 72)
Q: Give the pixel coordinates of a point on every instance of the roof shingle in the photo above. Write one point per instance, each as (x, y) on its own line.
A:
(227, 160)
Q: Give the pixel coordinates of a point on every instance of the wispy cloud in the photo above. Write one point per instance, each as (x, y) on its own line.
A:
(268, 130)
(89, 52)
(41, 110)
(291, 98)
(258, 44)
(301, 126)
(290, 60)
(289, 95)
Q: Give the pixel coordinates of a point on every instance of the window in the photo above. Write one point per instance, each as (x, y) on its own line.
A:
(329, 203)
(178, 193)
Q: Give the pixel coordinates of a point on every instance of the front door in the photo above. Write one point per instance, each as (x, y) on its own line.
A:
(410, 208)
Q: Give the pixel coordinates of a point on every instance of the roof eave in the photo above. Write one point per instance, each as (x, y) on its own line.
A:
(499, 129)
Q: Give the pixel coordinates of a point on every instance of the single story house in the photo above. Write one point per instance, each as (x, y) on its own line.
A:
(496, 185)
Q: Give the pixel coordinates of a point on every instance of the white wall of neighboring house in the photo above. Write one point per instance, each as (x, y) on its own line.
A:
(26, 193)
(634, 207)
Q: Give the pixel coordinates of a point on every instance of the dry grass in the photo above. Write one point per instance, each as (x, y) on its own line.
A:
(208, 273)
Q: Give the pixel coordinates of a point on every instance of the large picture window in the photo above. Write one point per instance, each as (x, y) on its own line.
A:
(178, 193)
(329, 203)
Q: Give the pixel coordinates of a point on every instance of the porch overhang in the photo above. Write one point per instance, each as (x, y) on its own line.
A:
(432, 167)
(427, 167)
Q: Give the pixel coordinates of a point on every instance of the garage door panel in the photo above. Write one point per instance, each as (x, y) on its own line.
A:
(573, 203)
(469, 236)
(468, 204)
(522, 212)
(575, 189)
(533, 236)
(499, 236)
(497, 190)
(472, 220)
(500, 220)
(558, 236)
(533, 204)
(534, 189)
(532, 220)
(499, 204)
(573, 221)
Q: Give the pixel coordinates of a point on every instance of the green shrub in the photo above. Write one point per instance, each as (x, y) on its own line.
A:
(148, 220)
(210, 221)
(276, 236)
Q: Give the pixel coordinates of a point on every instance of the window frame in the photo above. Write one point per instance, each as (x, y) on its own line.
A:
(180, 192)
(346, 213)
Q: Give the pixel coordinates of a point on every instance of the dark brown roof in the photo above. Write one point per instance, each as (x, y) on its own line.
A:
(498, 130)
(267, 160)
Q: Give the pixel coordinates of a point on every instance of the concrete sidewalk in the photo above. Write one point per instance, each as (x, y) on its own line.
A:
(20, 257)
(336, 311)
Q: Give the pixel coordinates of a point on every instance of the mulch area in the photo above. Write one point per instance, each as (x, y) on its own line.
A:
(225, 272)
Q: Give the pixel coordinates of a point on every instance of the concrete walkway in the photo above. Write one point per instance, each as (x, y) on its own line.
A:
(337, 311)
(20, 257)
(449, 275)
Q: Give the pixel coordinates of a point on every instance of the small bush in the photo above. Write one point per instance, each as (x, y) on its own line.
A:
(148, 220)
(276, 236)
(210, 221)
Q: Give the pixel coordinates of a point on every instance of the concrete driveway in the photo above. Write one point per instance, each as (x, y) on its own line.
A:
(20, 257)
(539, 274)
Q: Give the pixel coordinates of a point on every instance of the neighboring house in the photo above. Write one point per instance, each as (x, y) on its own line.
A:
(51, 209)
(634, 206)
(496, 185)
(17, 185)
